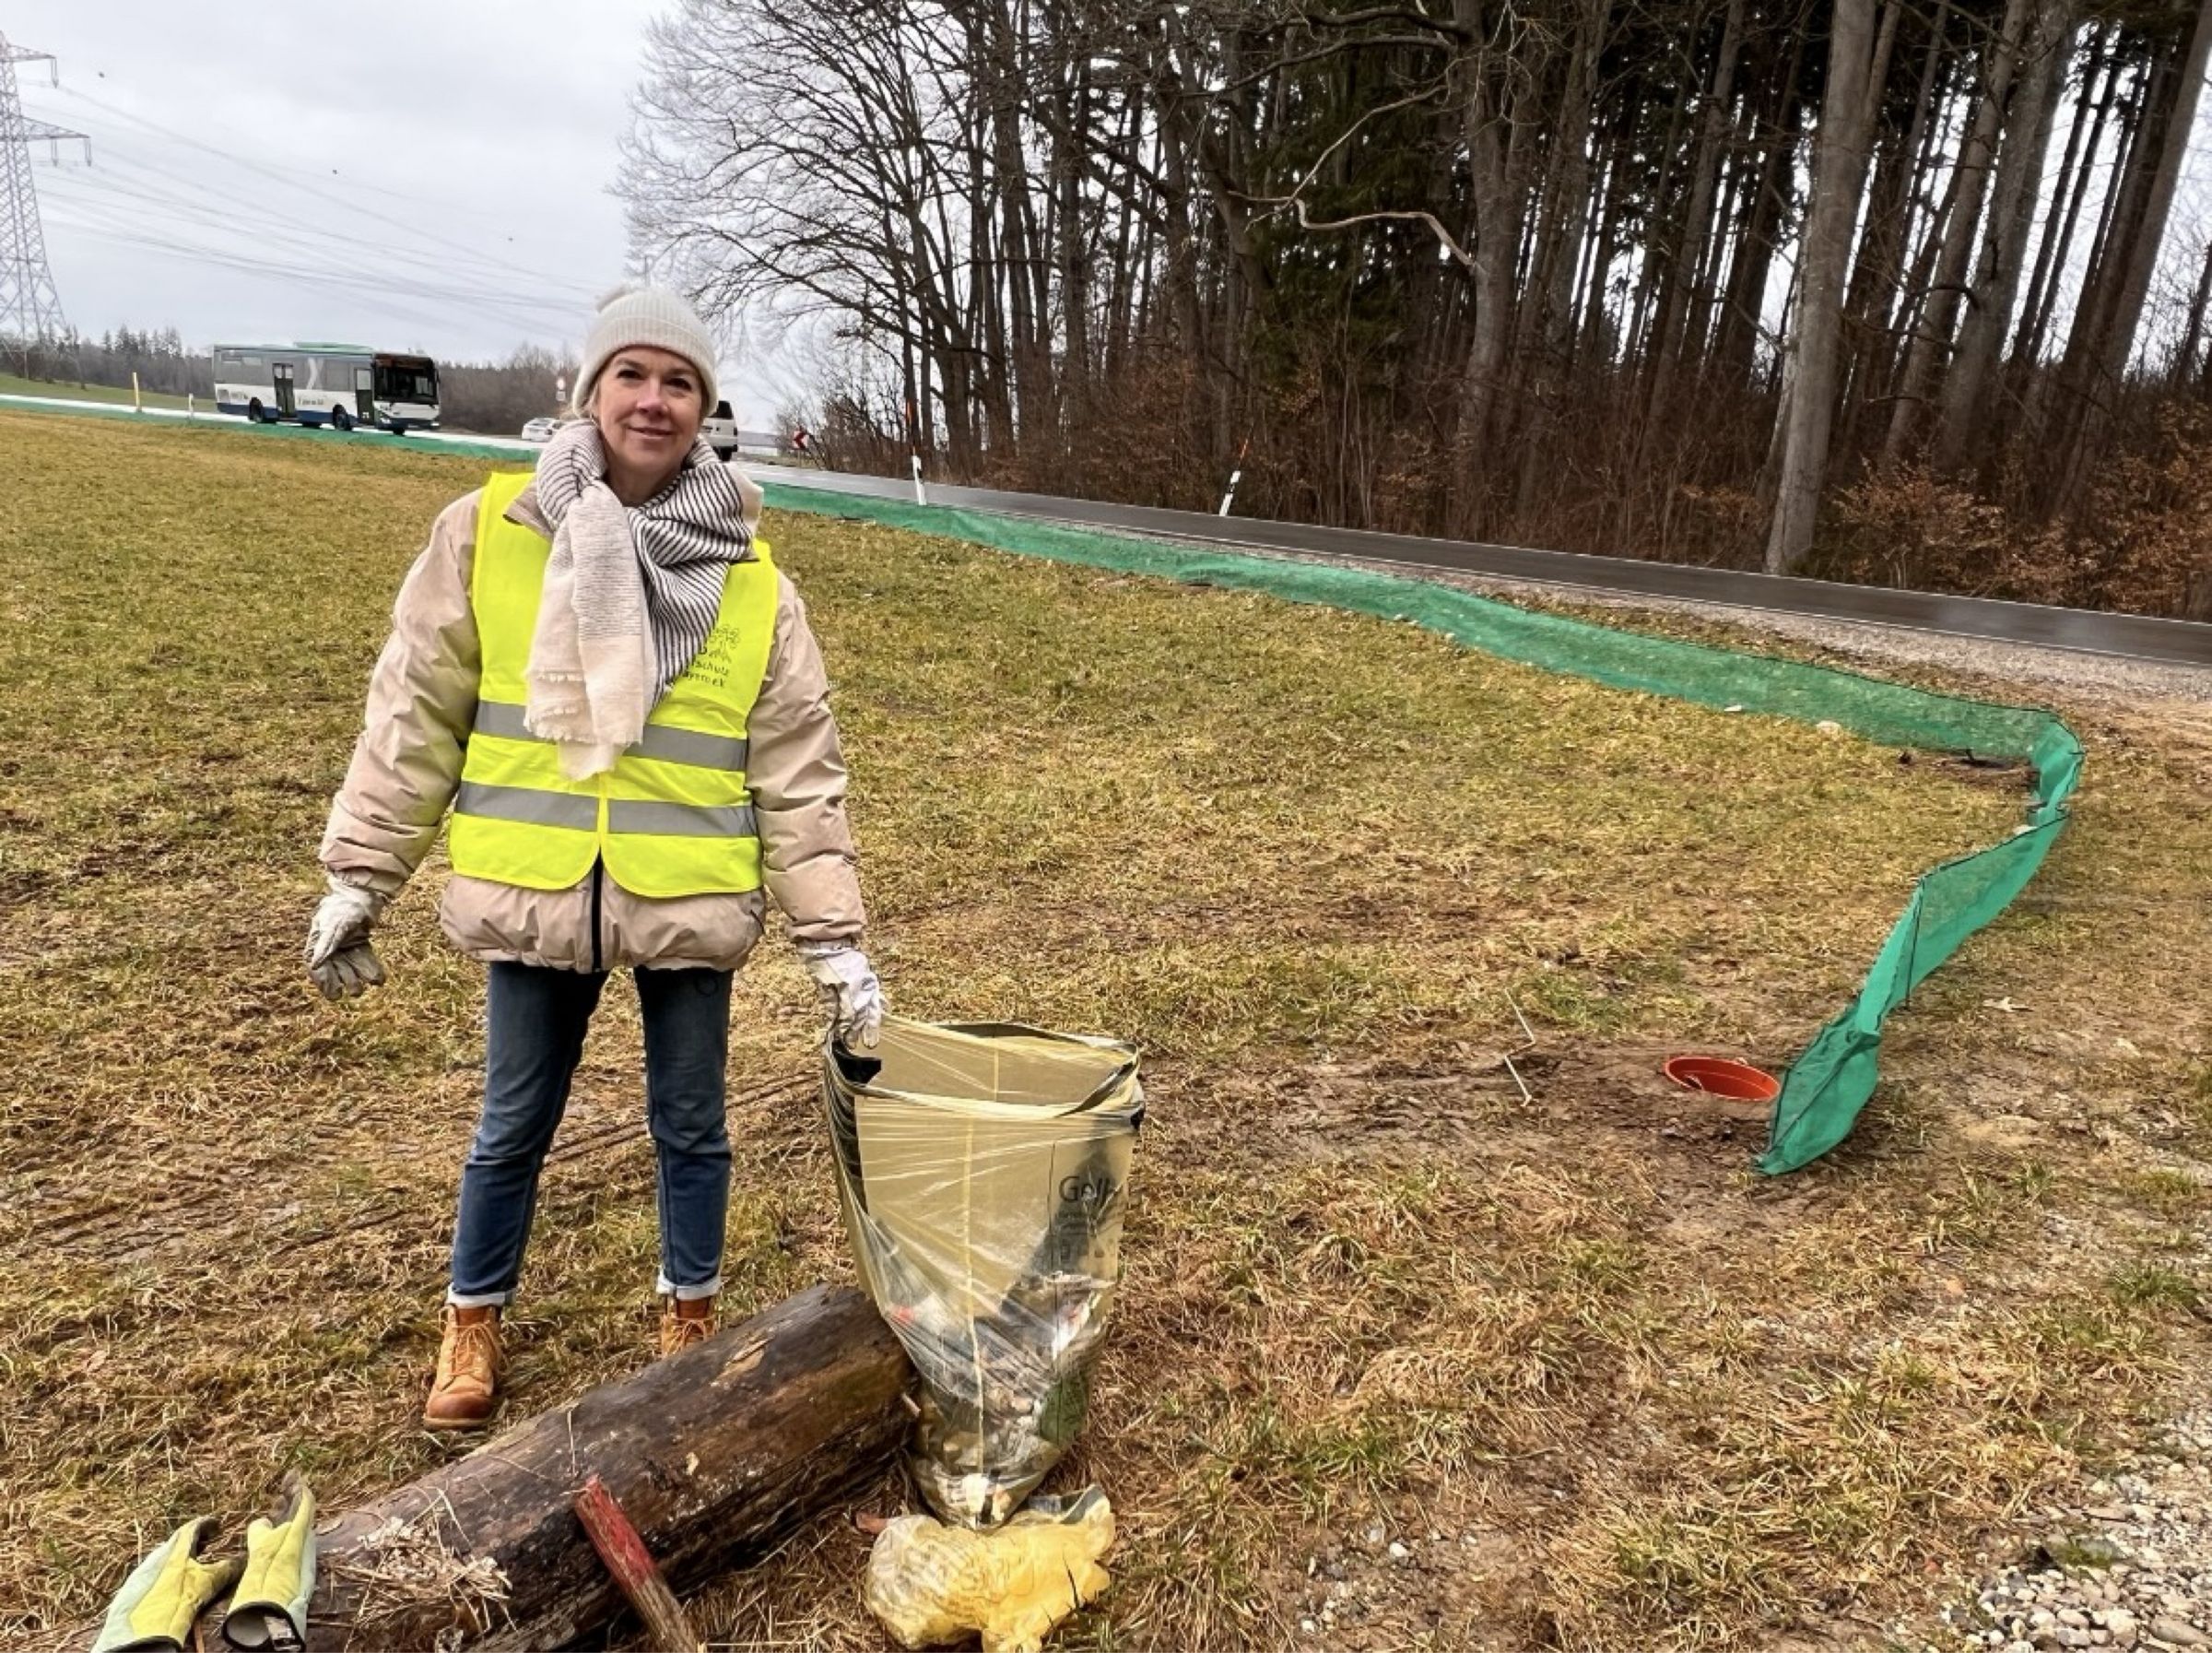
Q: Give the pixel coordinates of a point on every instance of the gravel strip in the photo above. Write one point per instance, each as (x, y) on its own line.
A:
(2126, 1563)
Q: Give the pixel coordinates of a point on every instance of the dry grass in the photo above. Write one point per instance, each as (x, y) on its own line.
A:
(1652, 1399)
(15, 384)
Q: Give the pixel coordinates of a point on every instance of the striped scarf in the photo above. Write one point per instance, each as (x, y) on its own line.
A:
(629, 595)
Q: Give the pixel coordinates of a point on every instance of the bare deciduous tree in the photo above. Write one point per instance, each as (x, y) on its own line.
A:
(1512, 269)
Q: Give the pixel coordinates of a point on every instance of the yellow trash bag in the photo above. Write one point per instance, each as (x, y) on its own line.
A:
(934, 1586)
(984, 1174)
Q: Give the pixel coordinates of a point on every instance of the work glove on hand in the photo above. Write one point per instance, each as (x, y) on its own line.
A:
(269, 1609)
(339, 958)
(157, 1605)
(849, 991)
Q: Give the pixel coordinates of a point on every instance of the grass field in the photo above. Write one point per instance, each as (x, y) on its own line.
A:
(1642, 1398)
(15, 384)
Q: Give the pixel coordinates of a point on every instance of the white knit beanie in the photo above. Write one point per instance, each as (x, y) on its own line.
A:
(645, 316)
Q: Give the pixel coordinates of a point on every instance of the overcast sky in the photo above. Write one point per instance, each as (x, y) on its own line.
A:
(428, 174)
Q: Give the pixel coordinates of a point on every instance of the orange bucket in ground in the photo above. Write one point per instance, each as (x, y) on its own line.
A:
(1720, 1077)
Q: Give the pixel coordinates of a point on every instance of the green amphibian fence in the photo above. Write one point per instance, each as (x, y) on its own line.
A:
(1830, 1083)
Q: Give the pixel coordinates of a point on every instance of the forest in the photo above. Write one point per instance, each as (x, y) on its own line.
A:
(1900, 290)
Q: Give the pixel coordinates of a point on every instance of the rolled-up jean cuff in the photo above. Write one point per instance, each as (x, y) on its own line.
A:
(478, 1299)
(669, 1288)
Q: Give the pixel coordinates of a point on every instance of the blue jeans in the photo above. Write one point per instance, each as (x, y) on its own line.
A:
(534, 1038)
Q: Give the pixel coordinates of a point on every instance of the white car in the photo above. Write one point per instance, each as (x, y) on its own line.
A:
(540, 430)
(720, 429)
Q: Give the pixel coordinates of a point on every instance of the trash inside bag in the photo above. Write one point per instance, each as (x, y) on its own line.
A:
(933, 1585)
(983, 1171)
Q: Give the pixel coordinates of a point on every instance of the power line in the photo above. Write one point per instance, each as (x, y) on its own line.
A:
(164, 182)
(318, 191)
(260, 163)
(321, 278)
(158, 190)
(138, 212)
(241, 225)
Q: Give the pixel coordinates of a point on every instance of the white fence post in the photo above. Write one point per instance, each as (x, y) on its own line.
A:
(920, 498)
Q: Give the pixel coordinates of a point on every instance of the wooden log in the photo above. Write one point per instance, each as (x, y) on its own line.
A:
(630, 1565)
(715, 1452)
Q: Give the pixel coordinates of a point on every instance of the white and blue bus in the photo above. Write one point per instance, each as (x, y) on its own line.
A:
(340, 385)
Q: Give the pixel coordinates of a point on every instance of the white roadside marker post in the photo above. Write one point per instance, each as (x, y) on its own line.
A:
(1236, 475)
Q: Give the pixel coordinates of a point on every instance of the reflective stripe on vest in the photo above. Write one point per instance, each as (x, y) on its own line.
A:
(672, 817)
(676, 745)
(579, 812)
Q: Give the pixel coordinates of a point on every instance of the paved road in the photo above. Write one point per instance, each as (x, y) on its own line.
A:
(2130, 636)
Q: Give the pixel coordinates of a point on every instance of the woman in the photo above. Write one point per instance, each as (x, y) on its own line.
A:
(601, 673)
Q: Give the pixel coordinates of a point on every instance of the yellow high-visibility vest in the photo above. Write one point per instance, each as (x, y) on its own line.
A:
(674, 816)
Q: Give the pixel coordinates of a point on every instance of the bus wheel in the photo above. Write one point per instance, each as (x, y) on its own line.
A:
(340, 417)
(254, 411)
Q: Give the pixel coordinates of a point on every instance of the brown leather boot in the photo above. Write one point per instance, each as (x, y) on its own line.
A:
(470, 1364)
(686, 1321)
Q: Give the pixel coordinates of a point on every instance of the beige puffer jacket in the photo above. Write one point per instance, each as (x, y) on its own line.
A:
(407, 766)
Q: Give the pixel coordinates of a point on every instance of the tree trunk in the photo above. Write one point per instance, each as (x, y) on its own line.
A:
(1656, 263)
(1878, 277)
(1997, 279)
(2184, 355)
(2072, 184)
(1735, 339)
(2177, 124)
(1181, 275)
(1593, 329)
(1839, 167)
(715, 1454)
(1931, 346)
(1925, 246)
(1548, 313)
(1697, 219)
(2153, 170)
(1566, 212)
(2113, 208)
(1075, 264)
(994, 369)
(910, 329)
(942, 364)
(1123, 279)
(1020, 252)
(1495, 245)
(1697, 325)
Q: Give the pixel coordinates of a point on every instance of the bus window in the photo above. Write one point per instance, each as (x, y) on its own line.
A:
(397, 382)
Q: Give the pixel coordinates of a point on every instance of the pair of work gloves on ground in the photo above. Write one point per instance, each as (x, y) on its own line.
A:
(342, 964)
(166, 1593)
